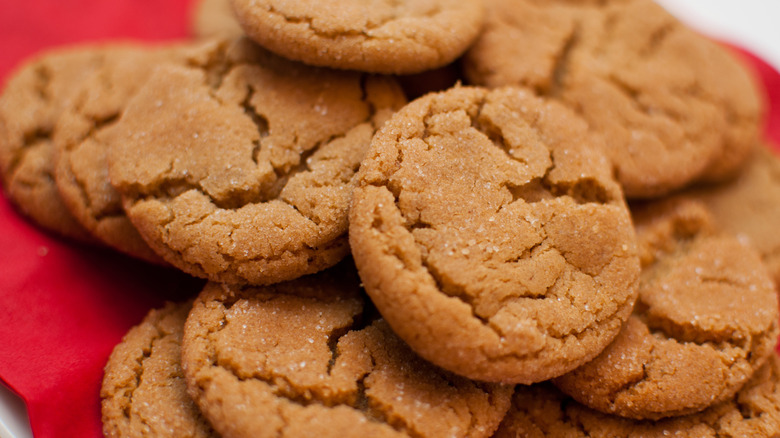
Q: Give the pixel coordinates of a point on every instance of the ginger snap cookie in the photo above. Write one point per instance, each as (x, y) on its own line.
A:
(673, 106)
(30, 105)
(748, 206)
(214, 18)
(489, 233)
(706, 319)
(241, 171)
(86, 129)
(542, 411)
(81, 146)
(144, 392)
(309, 358)
(382, 36)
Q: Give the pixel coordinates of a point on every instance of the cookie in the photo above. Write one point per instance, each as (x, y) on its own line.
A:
(540, 411)
(143, 391)
(490, 234)
(673, 106)
(398, 37)
(30, 105)
(214, 18)
(242, 172)
(748, 206)
(310, 358)
(85, 131)
(706, 319)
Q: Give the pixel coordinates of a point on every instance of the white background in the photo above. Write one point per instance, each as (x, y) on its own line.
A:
(751, 24)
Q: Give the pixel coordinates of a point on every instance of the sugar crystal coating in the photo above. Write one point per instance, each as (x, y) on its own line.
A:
(489, 233)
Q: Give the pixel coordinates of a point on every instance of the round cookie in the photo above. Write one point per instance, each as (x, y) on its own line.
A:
(749, 206)
(214, 18)
(705, 321)
(85, 130)
(398, 37)
(542, 411)
(489, 232)
(242, 170)
(673, 106)
(308, 358)
(30, 105)
(143, 391)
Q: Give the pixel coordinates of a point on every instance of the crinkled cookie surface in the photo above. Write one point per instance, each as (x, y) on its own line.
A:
(673, 106)
(242, 171)
(380, 36)
(30, 106)
(489, 233)
(309, 358)
(704, 322)
(143, 392)
(542, 411)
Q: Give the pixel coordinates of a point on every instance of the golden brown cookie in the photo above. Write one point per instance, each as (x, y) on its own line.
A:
(242, 171)
(144, 393)
(673, 106)
(748, 206)
(214, 18)
(383, 36)
(84, 133)
(80, 166)
(706, 319)
(30, 105)
(489, 232)
(542, 411)
(308, 358)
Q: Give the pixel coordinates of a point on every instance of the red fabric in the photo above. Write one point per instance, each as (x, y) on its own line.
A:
(63, 307)
(769, 80)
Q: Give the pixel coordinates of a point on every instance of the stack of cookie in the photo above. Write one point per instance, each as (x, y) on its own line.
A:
(578, 243)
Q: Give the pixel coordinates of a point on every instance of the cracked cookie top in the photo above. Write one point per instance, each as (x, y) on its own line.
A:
(309, 358)
(85, 128)
(542, 411)
(748, 206)
(241, 170)
(380, 36)
(704, 322)
(489, 233)
(81, 144)
(673, 106)
(143, 391)
(30, 106)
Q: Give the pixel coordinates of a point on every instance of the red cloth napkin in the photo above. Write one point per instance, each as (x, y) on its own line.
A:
(63, 306)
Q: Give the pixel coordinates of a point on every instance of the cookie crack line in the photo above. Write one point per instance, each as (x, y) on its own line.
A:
(658, 37)
(361, 401)
(666, 328)
(627, 386)
(174, 186)
(133, 386)
(352, 33)
(584, 191)
(486, 322)
(269, 258)
(98, 126)
(561, 67)
(473, 418)
(43, 77)
(38, 137)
